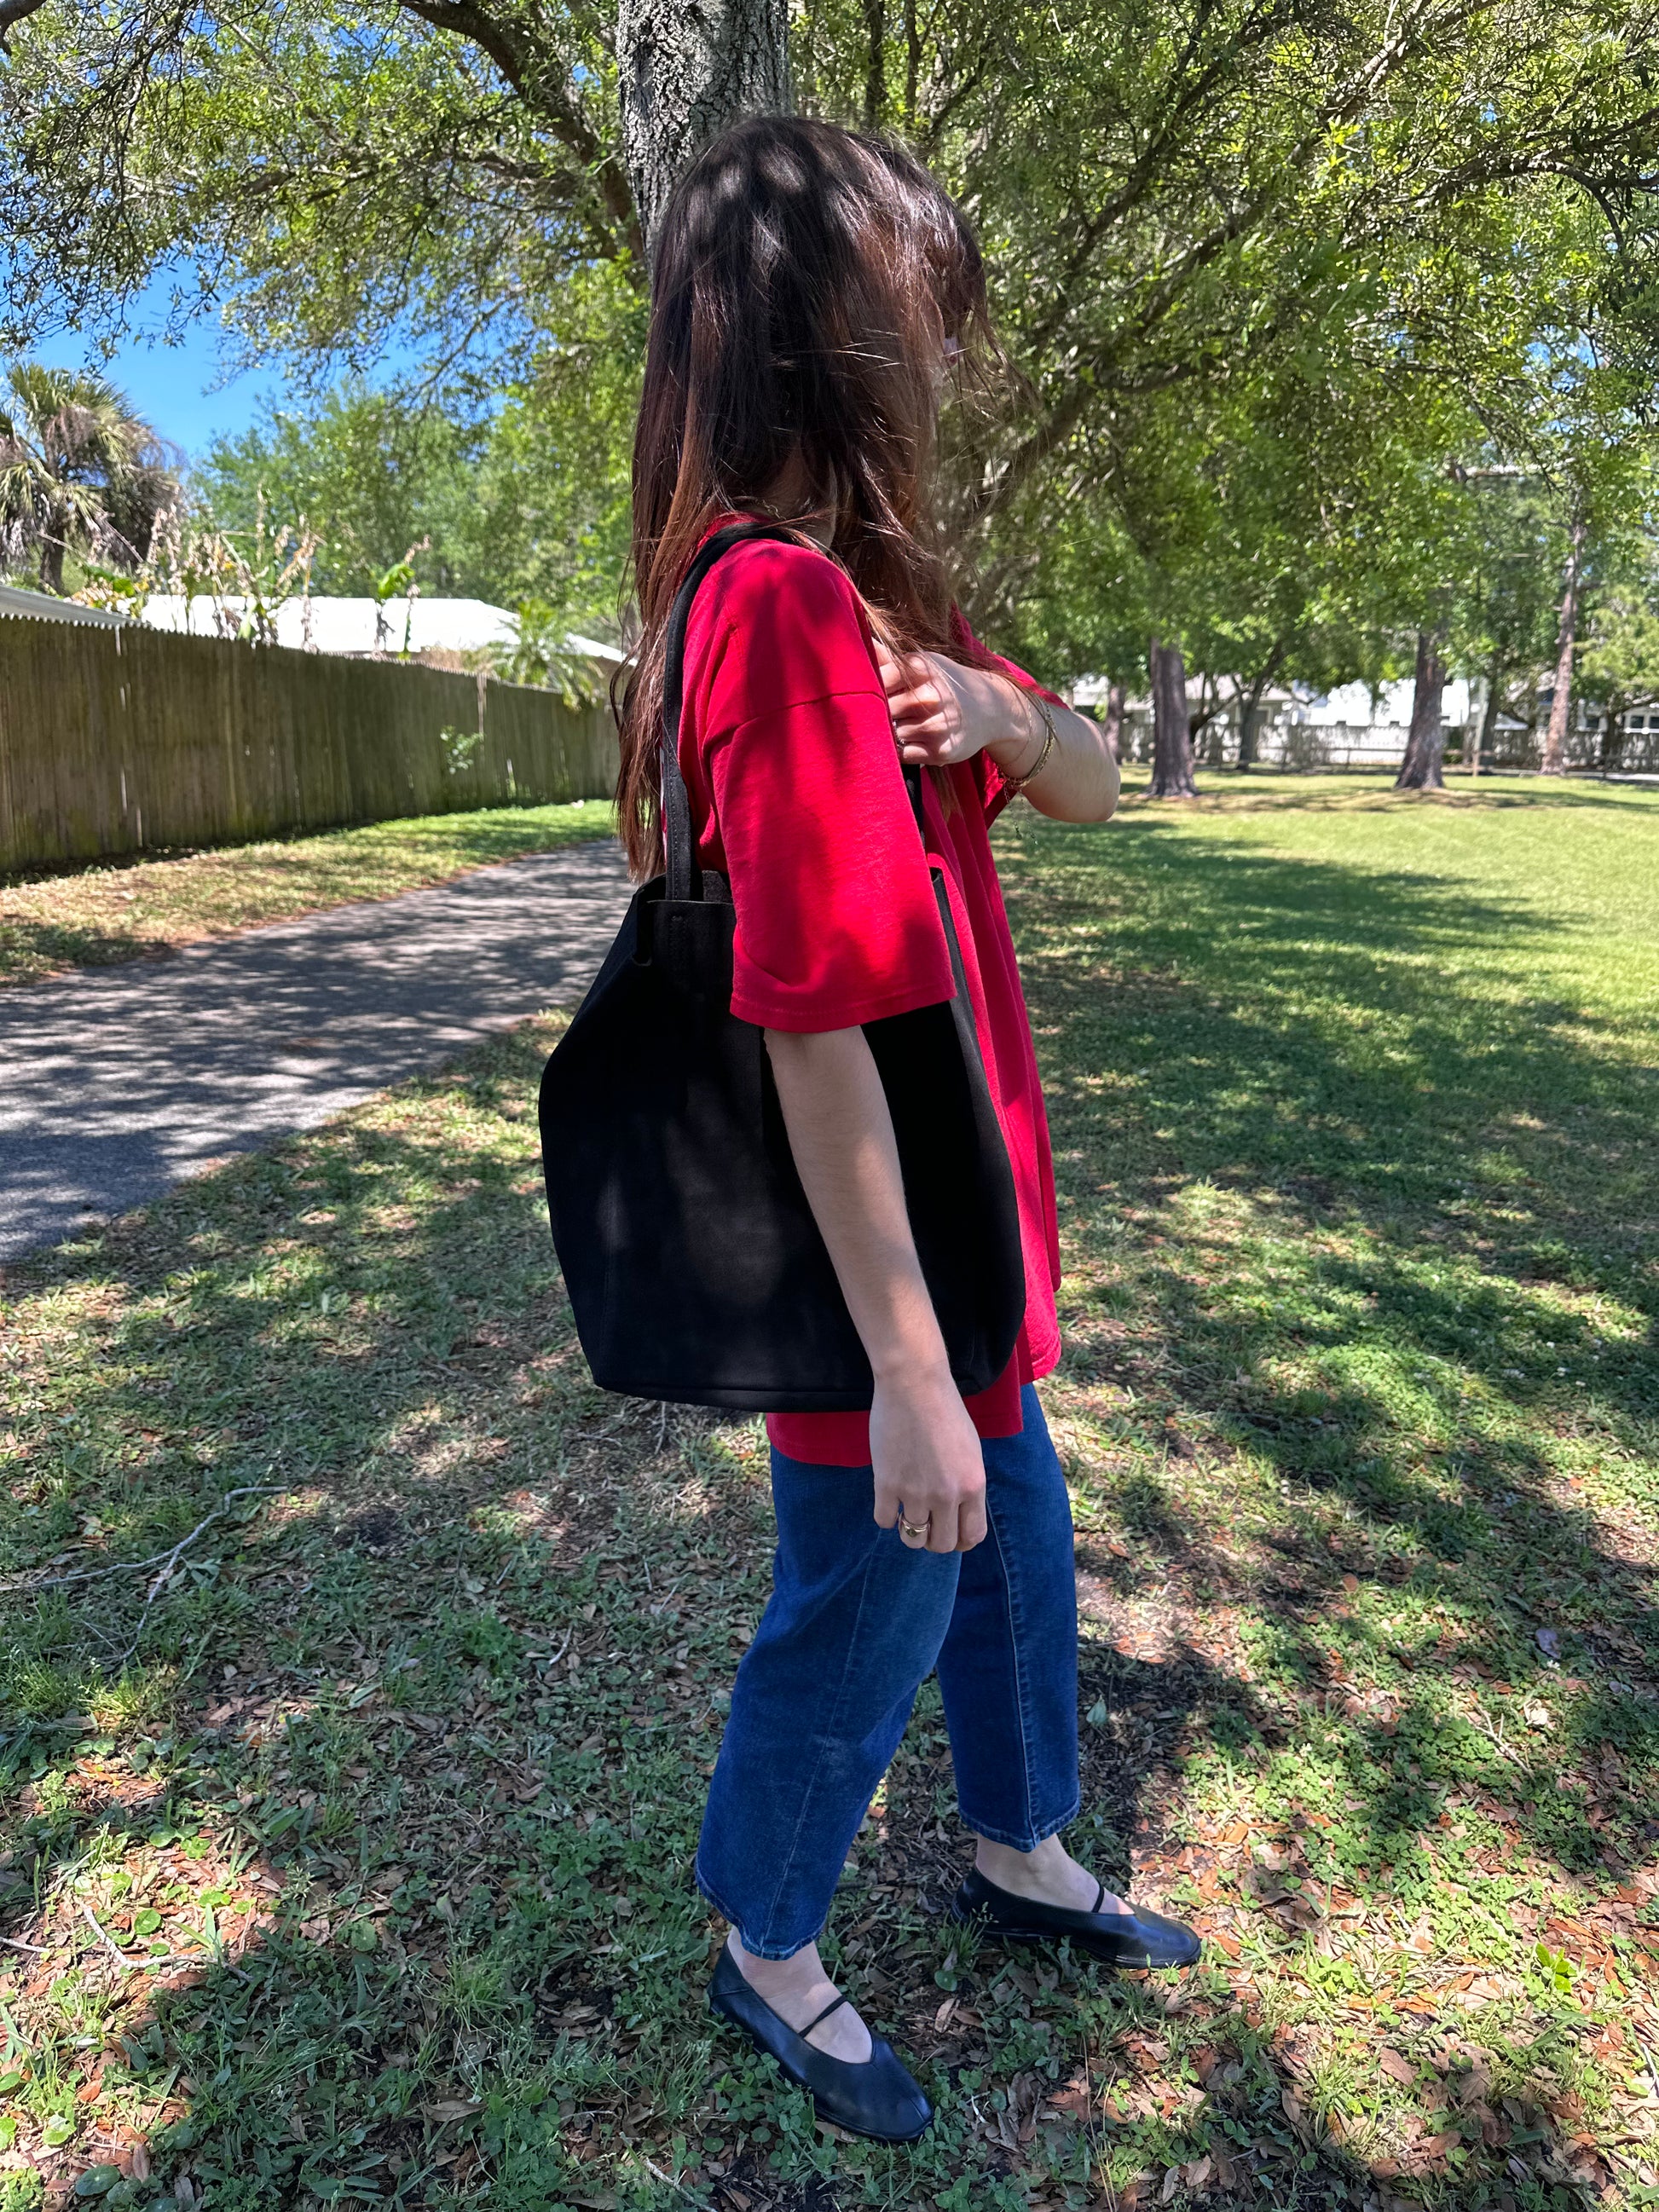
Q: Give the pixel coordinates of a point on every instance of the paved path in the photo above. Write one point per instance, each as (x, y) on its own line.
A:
(115, 1083)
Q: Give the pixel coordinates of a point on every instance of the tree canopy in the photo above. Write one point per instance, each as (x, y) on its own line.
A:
(1275, 278)
(80, 472)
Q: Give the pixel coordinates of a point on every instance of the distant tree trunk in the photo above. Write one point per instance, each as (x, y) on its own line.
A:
(1425, 742)
(1112, 722)
(1555, 741)
(1488, 725)
(875, 63)
(1172, 736)
(1613, 711)
(51, 562)
(1249, 710)
(1250, 729)
(684, 73)
(1212, 726)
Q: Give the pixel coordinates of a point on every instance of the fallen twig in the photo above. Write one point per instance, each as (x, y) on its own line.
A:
(15, 1943)
(135, 1566)
(125, 1964)
(669, 2182)
(168, 1561)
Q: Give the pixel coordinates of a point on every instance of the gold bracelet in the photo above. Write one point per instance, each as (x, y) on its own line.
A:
(1013, 784)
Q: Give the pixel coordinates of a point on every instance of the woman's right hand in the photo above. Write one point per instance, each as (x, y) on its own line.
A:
(927, 1460)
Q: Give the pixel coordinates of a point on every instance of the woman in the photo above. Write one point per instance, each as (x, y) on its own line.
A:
(813, 289)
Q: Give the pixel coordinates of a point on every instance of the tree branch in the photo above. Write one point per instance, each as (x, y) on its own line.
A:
(545, 99)
(14, 11)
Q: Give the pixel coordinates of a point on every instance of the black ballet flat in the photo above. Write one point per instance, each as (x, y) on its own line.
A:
(1135, 1938)
(877, 2099)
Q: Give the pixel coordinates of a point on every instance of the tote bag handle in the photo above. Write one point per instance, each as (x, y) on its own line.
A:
(684, 881)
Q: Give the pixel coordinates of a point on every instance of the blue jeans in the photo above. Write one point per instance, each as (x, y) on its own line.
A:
(856, 1622)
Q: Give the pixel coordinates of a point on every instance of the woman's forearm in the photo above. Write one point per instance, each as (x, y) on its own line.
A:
(841, 1135)
(1079, 780)
(927, 1468)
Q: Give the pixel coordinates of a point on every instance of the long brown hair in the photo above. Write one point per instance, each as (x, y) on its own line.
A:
(806, 282)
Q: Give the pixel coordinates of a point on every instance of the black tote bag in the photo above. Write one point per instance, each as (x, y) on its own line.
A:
(696, 1270)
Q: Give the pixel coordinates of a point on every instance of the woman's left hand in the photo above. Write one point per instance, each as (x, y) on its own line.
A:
(943, 711)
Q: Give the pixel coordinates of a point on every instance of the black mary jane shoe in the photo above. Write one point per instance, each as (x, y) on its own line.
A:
(1135, 1938)
(876, 2098)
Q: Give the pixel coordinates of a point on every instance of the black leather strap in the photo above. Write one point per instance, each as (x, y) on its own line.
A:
(912, 785)
(834, 2005)
(684, 878)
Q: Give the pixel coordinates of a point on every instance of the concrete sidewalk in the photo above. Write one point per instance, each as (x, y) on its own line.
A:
(116, 1083)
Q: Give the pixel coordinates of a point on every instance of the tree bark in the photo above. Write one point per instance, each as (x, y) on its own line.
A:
(875, 63)
(1112, 722)
(1249, 724)
(1250, 717)
(1486, 729)
(1172, 738)
(1422, 769)
(684, 73)
(1555, 739)
(1211, 727)
(1613, 711)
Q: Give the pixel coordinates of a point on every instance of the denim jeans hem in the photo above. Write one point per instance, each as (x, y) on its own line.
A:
(754, 1950)
(1030, 1837)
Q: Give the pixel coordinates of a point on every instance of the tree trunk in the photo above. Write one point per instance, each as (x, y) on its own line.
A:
(1613, 711)
(1249, 715)
(1425, 743)
(1112, 722)
(1172, 736)
(1213, 726)
(684, 73)
(1555, 741)
(51, 563)
(875, 63)
(1486, 730)
(1249, 708)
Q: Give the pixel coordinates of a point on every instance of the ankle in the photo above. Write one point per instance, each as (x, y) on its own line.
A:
(1048, 1875)
(798, 1989)
(1013, 1868)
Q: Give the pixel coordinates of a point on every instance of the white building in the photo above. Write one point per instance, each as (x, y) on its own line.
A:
(42, 606)
(1352, 726)
(360, 628)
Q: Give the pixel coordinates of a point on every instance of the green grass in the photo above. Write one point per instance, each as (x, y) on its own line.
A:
(398, 1776)
(117, 910)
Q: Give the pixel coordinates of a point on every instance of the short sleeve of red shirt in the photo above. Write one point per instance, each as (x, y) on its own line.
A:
(787, 747)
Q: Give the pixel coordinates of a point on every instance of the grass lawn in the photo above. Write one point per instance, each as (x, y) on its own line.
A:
(345, 1843)
(115, 910)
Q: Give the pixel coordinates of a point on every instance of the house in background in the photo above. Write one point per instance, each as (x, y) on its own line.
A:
(16, 600)
(442, 630)
(1355, 727)
(1298, 728)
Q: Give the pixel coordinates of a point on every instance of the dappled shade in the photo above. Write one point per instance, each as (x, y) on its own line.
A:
(1349, 1098)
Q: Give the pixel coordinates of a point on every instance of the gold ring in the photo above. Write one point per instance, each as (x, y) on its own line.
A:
(909, 1529)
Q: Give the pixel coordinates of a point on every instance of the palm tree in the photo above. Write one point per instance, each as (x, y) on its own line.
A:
(77, 468)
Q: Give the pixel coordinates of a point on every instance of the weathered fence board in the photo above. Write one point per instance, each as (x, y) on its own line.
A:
(113, 740)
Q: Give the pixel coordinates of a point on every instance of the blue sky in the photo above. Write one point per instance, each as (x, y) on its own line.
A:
(172, 386)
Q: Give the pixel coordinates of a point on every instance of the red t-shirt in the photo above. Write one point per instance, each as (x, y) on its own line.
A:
(798, 800)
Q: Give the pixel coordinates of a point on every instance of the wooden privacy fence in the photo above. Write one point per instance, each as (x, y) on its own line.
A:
(113, 739)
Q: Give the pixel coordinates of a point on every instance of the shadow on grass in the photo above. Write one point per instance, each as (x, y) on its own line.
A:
(1267, 790)
(472, 1706)
(37, 949)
